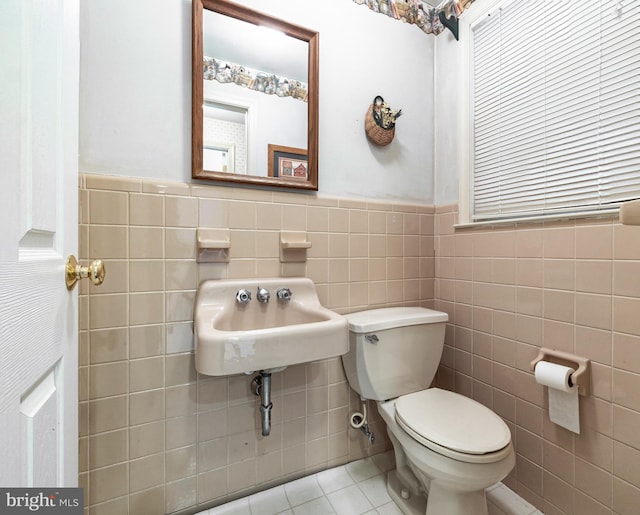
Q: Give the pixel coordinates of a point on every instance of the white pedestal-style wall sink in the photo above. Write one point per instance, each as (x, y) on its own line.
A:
(283, 323)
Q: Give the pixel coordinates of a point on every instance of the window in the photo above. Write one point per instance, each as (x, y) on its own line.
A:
(555, 108)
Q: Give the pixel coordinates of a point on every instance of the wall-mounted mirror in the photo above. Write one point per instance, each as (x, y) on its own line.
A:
(254, 95)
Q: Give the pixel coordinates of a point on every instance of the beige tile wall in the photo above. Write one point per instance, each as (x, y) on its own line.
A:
(156, 437)
(573, 286)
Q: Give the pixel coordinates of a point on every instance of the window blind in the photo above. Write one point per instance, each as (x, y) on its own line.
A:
(555, 107)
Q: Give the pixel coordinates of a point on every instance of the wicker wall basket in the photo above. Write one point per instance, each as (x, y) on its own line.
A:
(376, 134)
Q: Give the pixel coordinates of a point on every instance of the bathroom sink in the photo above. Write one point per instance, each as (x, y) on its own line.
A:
(284, 326)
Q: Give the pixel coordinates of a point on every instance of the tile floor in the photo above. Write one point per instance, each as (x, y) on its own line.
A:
(358, 487)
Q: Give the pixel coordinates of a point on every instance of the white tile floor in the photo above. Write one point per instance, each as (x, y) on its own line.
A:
(357, 488)
(352, 489)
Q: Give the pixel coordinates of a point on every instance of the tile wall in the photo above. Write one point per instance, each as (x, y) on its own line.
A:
(573, 286)
(156, 437)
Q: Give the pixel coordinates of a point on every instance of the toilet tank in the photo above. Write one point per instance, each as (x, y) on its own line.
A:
(393, 351)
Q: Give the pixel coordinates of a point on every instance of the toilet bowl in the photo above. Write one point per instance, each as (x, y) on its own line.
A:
(448, 447)
(454, 481)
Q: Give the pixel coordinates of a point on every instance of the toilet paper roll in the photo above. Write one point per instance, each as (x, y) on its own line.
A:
(563, 397)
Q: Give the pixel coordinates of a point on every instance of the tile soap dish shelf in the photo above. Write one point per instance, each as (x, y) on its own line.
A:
(293, 246)
(213, 245)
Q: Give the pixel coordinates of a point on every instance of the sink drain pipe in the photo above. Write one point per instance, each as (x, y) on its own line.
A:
(262, 387)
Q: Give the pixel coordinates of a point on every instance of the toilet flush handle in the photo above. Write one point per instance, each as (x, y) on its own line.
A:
(372, 338)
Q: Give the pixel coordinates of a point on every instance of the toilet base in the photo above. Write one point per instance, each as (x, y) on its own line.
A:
(409, 503)
(438, 503)
(453, 487)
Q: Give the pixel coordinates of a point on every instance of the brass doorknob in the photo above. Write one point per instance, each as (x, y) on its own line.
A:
(74, 272)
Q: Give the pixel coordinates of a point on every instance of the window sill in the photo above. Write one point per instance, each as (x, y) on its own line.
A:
(601, 213)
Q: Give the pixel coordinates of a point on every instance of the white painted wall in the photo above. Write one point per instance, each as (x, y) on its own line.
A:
(135, 94)
(450, 116)
(452, 120)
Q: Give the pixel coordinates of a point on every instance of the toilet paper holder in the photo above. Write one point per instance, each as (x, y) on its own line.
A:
(582, 375)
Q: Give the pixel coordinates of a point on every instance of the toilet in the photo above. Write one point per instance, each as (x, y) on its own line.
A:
(448, 447)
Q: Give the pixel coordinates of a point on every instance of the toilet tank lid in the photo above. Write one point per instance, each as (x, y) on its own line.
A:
(388, 318)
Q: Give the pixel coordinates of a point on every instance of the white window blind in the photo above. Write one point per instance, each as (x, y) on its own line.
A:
(556, 107)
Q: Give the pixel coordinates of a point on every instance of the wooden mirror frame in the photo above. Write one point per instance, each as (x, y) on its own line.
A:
(243, 13)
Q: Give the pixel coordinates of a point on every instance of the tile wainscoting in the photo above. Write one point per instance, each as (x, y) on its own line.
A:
(156, 437)
(571, 286)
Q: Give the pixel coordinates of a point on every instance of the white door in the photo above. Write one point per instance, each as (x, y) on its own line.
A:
(39, 62)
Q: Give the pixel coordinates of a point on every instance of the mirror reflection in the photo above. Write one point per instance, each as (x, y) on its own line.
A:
(225, 137)
(254, 90)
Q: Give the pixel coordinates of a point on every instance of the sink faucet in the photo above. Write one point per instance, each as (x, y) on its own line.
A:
(284, 294)
(243, 296)
(263, 295)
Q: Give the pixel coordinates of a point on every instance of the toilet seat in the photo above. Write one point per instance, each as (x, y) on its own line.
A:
(453, 425)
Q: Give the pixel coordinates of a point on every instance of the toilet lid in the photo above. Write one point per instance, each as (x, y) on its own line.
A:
(452, 421)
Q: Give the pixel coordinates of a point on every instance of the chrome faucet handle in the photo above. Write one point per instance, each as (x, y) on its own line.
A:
(263, 295)
(284, 294)
(243, 296)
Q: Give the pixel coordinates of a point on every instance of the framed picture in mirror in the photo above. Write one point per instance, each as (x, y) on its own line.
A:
(288, 162)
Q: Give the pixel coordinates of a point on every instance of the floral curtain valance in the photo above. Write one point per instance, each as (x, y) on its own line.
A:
(225, 72)
(432, 20)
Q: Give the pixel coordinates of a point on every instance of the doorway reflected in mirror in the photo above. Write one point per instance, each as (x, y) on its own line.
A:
(225, 137)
